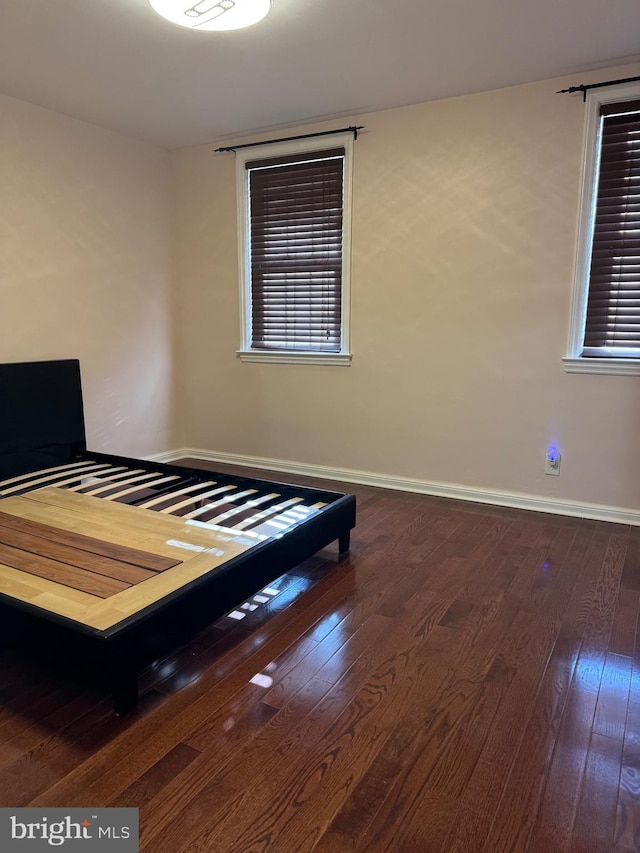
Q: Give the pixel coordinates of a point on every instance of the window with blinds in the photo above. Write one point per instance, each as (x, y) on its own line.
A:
(296, 251)
(612, 326)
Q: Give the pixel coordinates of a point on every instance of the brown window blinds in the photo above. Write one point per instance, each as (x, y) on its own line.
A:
(296, 215)
(613, 308)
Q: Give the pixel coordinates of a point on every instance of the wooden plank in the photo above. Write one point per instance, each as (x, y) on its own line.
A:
(613, 697)
(595, 819)
(18, 584)
(627, 832)
(99, 525)
(40, 591)
(81, 559)
(138, 597)
(177, 760)
(74, 511)
(60, 572)
(124, 554)
(554, 820)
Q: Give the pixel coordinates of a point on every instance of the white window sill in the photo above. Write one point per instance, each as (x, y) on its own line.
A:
(270, 356)
(603, 366)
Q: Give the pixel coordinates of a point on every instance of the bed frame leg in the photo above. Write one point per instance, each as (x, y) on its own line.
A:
(121, 676)
(343, 542)
(124, 695)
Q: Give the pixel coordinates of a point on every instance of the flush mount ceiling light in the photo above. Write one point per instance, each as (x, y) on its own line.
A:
(212, 14)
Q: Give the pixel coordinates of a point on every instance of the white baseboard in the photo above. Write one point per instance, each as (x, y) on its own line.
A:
(167, 456)
(580, 509)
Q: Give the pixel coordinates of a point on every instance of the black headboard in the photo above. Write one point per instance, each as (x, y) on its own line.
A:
(41, 415)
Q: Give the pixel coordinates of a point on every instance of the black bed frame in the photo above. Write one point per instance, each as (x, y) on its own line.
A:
(41, 426)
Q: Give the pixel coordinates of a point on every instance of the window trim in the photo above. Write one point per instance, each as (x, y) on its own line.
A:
(278, 149)
(574, 361)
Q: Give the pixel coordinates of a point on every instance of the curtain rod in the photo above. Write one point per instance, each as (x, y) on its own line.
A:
(351, 129)
(583, 88)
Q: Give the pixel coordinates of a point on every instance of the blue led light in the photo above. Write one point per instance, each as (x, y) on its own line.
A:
(553, 453)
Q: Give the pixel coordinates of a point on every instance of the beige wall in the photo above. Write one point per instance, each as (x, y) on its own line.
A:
(84, 249)
(463, 238)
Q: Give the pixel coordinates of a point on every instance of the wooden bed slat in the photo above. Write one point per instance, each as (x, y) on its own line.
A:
(167, 496)
(150, 484)
(103, 478)
(265, 513)
(101, 489)
(195, 499)
(123, 553)
(247, 506)
(101, 469)
(68, 467)
(53, 480)
(226, 500)
(286, 519)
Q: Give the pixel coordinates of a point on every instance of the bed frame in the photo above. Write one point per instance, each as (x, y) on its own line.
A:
(115, 561)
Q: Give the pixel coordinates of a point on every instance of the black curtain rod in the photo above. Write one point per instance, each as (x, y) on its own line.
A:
(351, 129)
(583, 88)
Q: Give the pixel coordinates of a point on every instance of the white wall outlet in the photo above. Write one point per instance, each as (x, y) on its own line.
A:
(552, 461)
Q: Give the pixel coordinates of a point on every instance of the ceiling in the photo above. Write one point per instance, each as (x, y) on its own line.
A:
(117, 64)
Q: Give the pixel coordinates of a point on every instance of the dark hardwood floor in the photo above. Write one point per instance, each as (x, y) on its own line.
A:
(466, 680)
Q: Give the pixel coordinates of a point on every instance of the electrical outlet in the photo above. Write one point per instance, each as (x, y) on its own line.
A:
(552, 461)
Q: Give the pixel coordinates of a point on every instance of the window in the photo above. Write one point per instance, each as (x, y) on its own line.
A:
(294, 223)
(605, 323)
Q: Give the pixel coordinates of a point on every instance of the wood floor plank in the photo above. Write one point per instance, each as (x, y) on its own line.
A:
(627, 830)
(593, 827)
(613, 697)
(163, 771)
(623, 631)
(552, 827)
